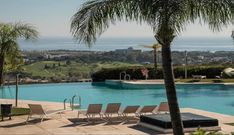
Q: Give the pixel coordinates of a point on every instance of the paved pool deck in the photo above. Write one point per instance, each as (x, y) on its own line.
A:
(69, 124)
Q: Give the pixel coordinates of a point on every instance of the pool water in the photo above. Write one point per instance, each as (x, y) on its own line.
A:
(211, 97)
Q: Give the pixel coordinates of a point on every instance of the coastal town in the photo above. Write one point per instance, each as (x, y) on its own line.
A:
(130, 55)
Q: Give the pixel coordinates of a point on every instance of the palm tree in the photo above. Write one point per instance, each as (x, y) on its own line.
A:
(167, 19)
(9, 50)
(155, 47)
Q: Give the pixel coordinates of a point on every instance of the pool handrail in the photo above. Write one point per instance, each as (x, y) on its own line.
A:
(127, 76)
(73, 100)
(120, 75)
(64, 103)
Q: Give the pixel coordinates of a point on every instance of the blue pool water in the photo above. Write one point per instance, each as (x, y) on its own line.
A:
(211, 97)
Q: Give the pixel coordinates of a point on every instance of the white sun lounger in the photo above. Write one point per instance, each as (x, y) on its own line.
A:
(93, 109)
(37, 109)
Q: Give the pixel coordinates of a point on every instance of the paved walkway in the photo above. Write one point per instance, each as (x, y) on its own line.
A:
(69, 124)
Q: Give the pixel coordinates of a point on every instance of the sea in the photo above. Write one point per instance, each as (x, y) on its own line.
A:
(111, 44)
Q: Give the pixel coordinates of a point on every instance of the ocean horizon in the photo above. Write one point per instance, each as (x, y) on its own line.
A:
(111, 44)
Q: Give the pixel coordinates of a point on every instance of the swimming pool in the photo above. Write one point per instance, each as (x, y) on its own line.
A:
(211, 97)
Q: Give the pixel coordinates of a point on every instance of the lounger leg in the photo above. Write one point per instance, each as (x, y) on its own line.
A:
(126, 118)
(108, 118)
(87, 116)
(42, 118)
(28, 118)
(78, 114)
(137, 115)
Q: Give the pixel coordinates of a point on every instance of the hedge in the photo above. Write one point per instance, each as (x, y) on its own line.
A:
(135, 72)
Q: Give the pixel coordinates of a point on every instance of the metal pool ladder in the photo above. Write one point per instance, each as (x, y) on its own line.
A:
(126, 76)
(72, 102)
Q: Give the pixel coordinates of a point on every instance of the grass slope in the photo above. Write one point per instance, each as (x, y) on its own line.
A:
(64, 69)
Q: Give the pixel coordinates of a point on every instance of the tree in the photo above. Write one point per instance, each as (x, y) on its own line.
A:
(155, 47)
(46, 66)
(9, 50)
(167, 19)
(68, 62)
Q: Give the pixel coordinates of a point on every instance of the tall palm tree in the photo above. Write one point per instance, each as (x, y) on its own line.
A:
(9, 50)
(167, 19)
(155, 47)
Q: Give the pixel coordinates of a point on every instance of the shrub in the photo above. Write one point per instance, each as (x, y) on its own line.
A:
(203, 132)
(135, 72)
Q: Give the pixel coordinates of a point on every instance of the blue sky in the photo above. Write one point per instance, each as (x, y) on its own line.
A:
(52, 19)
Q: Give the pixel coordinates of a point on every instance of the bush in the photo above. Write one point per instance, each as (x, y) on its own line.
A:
(55, 79)
(135, 72)
(203, 132)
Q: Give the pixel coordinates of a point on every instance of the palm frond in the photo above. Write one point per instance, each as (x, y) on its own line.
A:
(166, 17)
(9, 49)
(95, 16)
(26, 31)
(14, 59)
(216, 13)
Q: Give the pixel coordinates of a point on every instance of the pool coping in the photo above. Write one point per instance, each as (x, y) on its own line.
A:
(137, 84)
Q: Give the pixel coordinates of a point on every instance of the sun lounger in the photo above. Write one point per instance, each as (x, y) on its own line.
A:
(163, 108)
(112, 108)
(93, 109)
(37, 109)
(147, 110)
(129, 110)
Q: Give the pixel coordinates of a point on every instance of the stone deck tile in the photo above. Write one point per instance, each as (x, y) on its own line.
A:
(222, 118)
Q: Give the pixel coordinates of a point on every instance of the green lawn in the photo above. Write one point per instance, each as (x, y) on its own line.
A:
(19, 111)
(62, 69)
(80, 70)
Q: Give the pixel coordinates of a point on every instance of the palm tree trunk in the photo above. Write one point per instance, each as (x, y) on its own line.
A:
(155, 60)
(171, 90)
(1, 70)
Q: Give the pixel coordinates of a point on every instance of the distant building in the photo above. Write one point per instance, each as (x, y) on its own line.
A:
(200, 57)
(127, 51)
(221, 59)
(59, 56)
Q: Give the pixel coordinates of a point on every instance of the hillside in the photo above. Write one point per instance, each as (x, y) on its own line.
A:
(68, 69)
